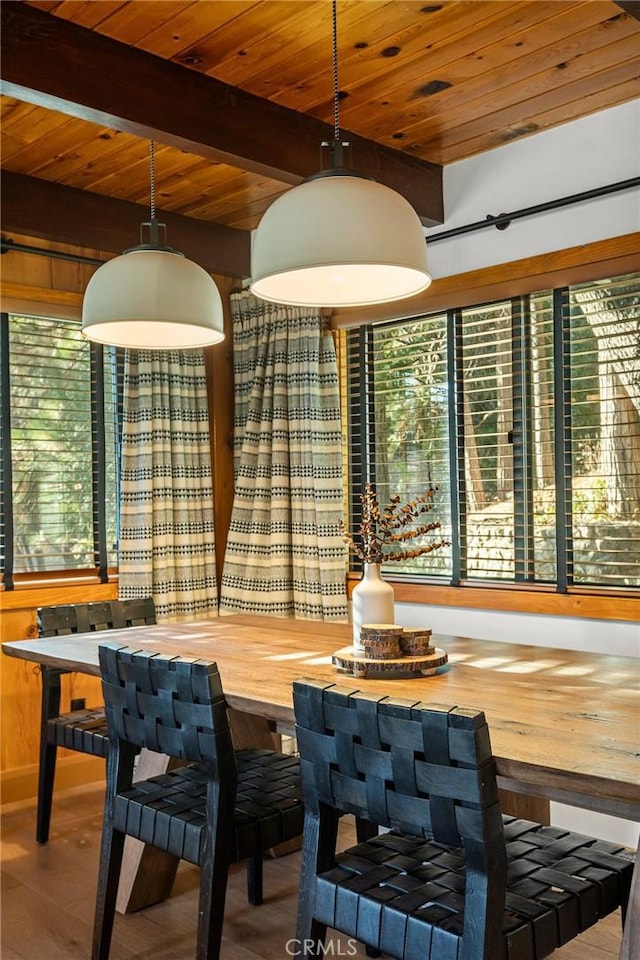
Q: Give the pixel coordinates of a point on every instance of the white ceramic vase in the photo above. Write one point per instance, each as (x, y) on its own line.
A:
(371, 602)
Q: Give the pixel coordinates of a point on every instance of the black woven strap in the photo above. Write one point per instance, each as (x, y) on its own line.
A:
(406, 896)
(64, 619)
(170, 810)
(424, 768)
(172, 705)
(82, 730)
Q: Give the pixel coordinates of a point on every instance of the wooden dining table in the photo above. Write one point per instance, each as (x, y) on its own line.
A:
(564, 724)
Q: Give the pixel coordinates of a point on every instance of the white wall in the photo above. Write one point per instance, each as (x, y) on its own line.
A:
(618, 638)
(597, 150)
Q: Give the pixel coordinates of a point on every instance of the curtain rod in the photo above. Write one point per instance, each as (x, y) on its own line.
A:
(7, 245)
(501, 222)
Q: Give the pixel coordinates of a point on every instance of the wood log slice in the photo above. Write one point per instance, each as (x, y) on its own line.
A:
(362, 667)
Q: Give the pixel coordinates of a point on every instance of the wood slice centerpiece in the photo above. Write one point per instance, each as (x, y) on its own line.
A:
(391, 651)
(415, 641)
(380, 641)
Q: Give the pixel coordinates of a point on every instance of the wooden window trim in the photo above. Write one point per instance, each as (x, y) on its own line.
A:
(618, 255)
(73, 589)
(593, 261)
(590, 261)
(613, 605)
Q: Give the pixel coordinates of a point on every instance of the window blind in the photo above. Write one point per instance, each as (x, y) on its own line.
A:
(604, 324)
(398, 427)
(526, 415)
(63, 421)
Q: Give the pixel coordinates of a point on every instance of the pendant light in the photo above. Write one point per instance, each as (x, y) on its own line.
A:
(151, 297)
(339, 238)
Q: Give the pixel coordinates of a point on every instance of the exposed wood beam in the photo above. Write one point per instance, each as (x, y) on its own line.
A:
(632, 7)
(51, 211)
(59, 65)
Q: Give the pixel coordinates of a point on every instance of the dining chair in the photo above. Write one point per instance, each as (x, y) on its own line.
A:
(221, 807)
(83, 730)
(453, 877)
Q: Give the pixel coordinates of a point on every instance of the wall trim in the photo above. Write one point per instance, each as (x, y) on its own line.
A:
(618, 606)
(22, 783)
(64, 591)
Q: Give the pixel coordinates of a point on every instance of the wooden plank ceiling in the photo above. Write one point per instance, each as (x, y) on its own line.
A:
(421, 85)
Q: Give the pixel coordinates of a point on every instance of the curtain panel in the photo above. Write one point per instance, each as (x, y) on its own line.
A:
(167, 547)
(285, 556)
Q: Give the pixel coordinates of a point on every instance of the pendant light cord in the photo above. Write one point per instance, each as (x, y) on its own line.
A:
(336, 99)
(155, 228)
(152, 178)
(337, 145)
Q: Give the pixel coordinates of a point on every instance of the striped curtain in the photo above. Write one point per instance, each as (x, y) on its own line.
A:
(166, 511)
(285, 556)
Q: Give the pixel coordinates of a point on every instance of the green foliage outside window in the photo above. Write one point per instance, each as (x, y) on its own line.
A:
(54, 436)
(526, 416)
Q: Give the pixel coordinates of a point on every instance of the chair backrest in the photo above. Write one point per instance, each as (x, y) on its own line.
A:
(103, 615)
(425, 769)
(171, 705)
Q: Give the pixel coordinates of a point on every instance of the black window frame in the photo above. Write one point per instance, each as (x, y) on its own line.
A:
(362, 458)
(99, 531)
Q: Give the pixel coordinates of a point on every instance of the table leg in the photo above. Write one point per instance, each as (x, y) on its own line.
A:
(630, 948)
(147, 873)
(249, 730)
(524, 807)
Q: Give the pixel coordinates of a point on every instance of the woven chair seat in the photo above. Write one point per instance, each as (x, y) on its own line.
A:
(406, 895)
(81, 730)
(169, 810)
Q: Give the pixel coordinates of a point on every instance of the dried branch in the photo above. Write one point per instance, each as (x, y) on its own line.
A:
(380, 528)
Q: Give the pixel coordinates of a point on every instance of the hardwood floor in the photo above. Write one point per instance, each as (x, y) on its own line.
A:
(48, 894)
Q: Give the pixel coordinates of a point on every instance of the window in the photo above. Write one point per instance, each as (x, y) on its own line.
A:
(60, 438)
(526, 416)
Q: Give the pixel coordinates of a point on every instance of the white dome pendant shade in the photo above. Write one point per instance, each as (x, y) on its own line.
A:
(339, 240)
(152, 299)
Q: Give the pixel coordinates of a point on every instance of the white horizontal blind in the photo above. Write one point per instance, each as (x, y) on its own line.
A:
(408, 439)
(506, 431)
(605, 431)
(526, 415)
(538, 466)
(57, 496)
(487, 399)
